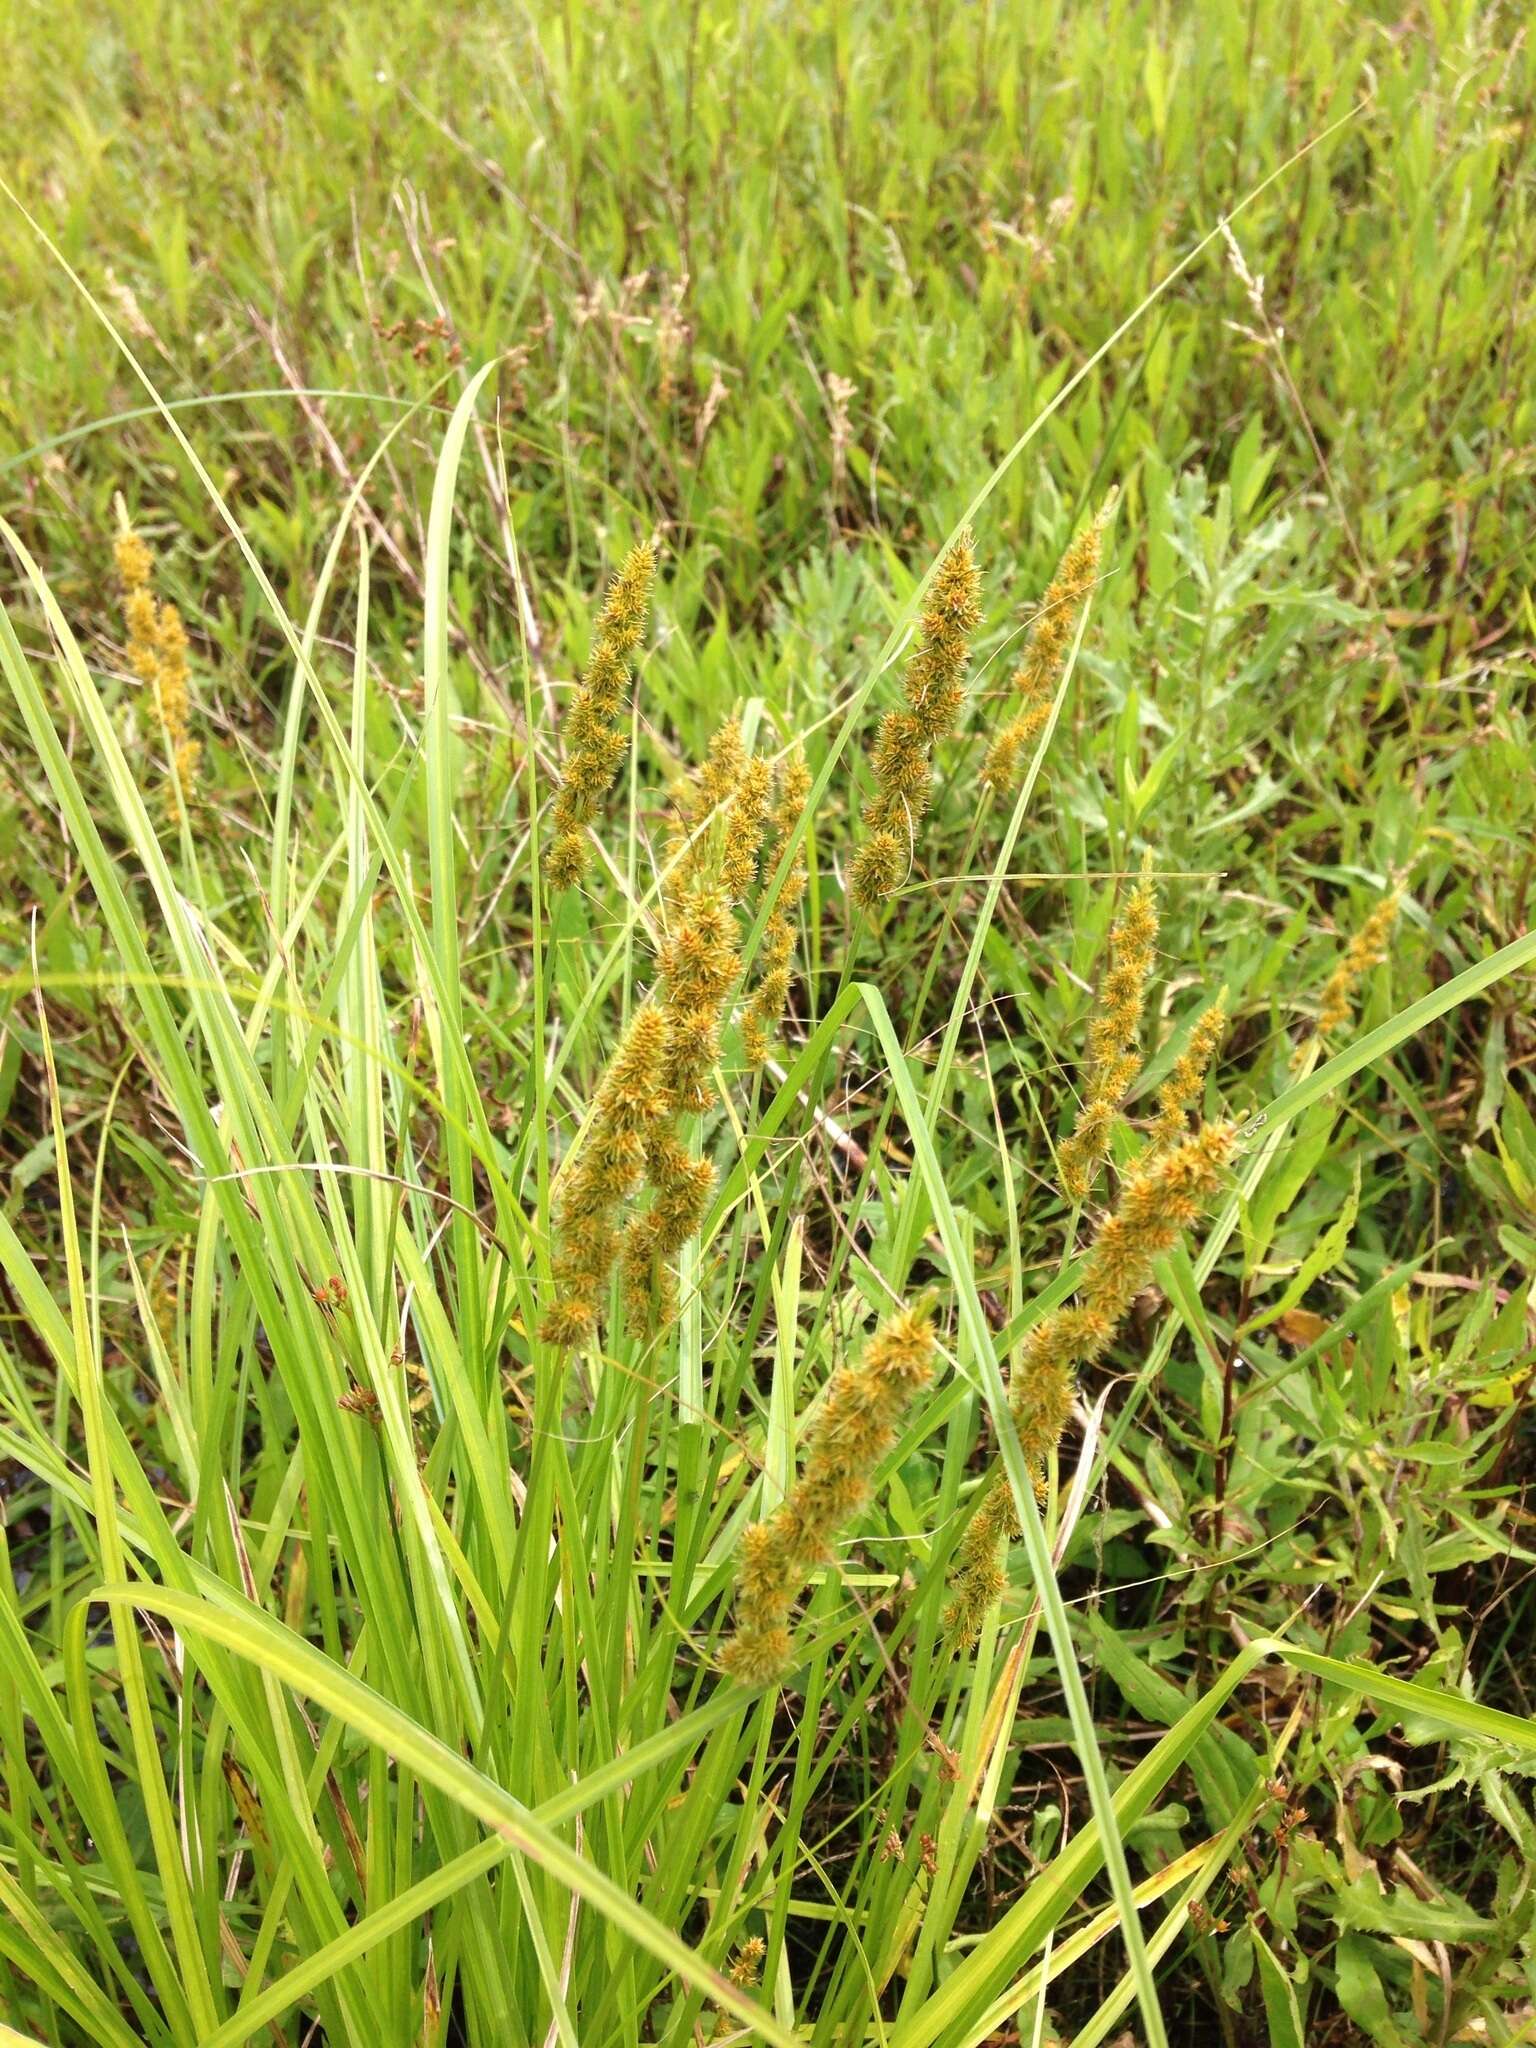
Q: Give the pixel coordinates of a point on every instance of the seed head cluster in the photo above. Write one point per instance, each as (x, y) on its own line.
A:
(1367, 949)
(745, 1972)
(935, 691)
(1161, 1196)
(718, 816)
(856, 1425)
(637, 1141)
(157, 653)
(629, 1108)
(1186, 1078)
(766, 1009)
(1114, 1060)
(1045, 652)
(699, 965)
(595, 734)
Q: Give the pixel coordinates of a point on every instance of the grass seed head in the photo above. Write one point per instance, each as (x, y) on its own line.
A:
(1045, 652)
(1181, 1091)
(1114, 1059)
(935, 692)
(1367, 949)
(855, 1426)
(595, 738)
(1161, 1196)
(158, 656)
(630, 1102)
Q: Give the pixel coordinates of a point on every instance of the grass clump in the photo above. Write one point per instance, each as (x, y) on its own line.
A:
(511, 1406)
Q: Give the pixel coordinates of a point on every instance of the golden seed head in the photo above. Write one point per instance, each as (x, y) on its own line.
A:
(719, 813)
(567, 861)
(757, 1656)
(879, 869)
(1113, 1058)
(135, 564)
(748, 1963)
(1186, 1078)
(1367, 949)
(901, 1352)
(568, 1322)
(629, 1105)
(1161, 1195)
(596, 740)
(978, 1582)
(157, 654)
(935, 693)
(745, 816)
(1050, 635)
(855, 1425)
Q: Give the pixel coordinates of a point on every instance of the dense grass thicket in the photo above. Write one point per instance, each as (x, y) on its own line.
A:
(767, 1153)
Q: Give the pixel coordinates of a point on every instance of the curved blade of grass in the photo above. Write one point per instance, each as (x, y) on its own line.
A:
(234, 1624)
(999, 1954)
(974, 1322)
(189, 1997)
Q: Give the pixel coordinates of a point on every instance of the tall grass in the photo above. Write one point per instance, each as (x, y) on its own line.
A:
(486, 1473)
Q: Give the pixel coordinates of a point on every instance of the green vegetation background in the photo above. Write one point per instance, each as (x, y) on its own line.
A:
(782, 285)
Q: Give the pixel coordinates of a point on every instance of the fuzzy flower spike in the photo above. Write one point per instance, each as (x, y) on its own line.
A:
(720, 815)
(935, 691)
(856, 1425)
(1367, 949)
(595, 736)
(157, 653)
(1113, 1058)
(1045, 652)
(1161, 1196)
(636, 1141)
(1181, 1091)
(630, 1107)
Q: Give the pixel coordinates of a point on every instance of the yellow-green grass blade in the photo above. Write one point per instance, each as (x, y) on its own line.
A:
(188, 1992)
(1002, 1951)
(235, 1625)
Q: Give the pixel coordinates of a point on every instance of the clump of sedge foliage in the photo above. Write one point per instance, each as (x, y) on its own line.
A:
(765, 1235)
